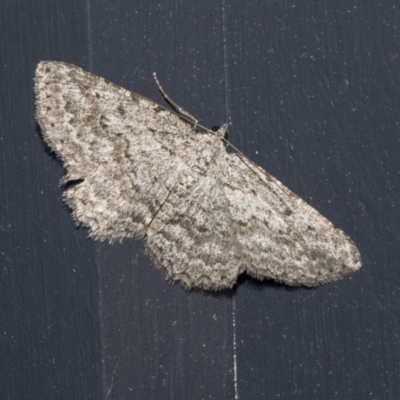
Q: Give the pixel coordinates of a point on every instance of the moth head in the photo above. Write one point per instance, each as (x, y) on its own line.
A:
(221, 131)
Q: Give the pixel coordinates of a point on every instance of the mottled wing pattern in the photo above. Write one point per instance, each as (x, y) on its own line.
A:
(198, 246)
(126, 149)
(280, 236)
(208, 215)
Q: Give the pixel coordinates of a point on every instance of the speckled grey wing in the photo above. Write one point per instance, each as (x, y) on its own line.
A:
(208, 215)
(278, 235)
(127, 150)
(198, 247)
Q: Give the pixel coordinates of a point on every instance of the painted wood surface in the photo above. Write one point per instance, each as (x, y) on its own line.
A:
(312, 93)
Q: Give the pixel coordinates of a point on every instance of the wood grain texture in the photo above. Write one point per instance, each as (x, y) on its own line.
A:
(313, 96)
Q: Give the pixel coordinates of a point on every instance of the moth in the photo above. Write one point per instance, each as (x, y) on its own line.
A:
(207, 215)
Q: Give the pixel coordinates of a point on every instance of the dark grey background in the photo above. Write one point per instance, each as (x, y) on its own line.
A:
(312, 92)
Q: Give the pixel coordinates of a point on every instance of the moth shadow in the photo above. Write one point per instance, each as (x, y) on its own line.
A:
(253, 284)
(261, 285)
(45, 146)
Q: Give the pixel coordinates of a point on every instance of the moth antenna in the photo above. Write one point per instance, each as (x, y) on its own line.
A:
(179, 109)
